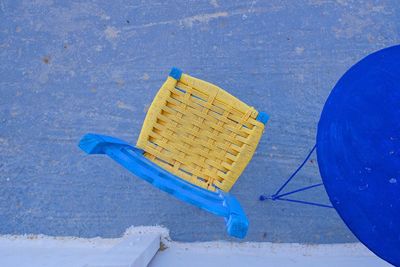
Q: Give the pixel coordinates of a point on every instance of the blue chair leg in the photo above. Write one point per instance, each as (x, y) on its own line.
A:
(97, 144)
(236, 223)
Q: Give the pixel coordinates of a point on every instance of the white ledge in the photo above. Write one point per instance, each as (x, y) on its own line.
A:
(140, 247)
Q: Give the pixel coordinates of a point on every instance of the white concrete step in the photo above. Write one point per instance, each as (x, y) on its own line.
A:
(140, 247)
(133, 251)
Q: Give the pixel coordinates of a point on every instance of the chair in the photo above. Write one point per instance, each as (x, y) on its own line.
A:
(195, 142)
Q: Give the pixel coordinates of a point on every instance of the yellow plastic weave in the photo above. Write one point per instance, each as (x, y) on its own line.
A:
(200, 133)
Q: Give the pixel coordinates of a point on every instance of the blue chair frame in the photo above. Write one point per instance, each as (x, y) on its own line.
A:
(219, 203)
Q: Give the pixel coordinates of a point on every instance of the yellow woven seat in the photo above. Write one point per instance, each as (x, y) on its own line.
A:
(200, 133)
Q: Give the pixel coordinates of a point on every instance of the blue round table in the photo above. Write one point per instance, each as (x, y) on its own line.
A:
(358, 148)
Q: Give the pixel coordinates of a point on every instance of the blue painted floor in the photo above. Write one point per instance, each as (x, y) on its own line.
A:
(71, 67)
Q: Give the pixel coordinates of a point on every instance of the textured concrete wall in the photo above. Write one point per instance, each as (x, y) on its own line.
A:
(67, 68)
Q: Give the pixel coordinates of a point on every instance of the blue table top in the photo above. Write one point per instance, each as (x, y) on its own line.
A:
(358, 147)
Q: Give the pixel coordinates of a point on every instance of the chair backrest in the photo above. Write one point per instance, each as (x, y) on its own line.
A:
(199, 132)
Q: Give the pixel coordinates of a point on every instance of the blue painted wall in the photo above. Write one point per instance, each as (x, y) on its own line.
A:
(67, 68)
